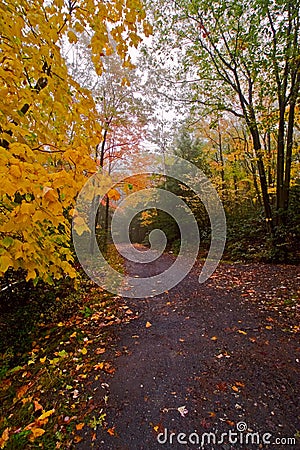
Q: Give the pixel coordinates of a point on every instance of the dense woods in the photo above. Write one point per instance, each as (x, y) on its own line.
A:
(95, 88)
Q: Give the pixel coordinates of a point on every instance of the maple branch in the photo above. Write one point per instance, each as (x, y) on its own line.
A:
(47, 151)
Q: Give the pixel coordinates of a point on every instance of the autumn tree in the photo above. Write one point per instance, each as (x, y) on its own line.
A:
(49, 123)
(236, 56)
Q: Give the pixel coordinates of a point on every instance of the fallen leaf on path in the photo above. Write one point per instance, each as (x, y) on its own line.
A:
(241, 332)
(79, 426)
(205, 424)
(182, 410)
(221, 386)
(111, 431)
(214, 338)
(99, 351)
(148, 324)
(157, 428)
(99, 366)
(109, 369)
(230, 423)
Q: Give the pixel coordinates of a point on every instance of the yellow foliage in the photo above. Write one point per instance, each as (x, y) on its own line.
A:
(49, 124)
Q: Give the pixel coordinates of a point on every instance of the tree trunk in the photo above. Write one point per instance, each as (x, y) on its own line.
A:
(289, 144)
(280, 160)
(220, 145)
(262, 176)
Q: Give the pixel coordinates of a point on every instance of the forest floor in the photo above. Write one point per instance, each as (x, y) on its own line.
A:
(206, 360)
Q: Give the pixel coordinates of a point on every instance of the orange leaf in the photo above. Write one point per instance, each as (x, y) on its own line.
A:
(79, 426)
(4, 438)
(230, 423)
(221, 386)
(36, 432)
(77, 438)
(99, 366)
(109, 369)
(111, 431)
(235, 389)
(22, 391)
(99, 351)
(148, 324)
(37, 405)
(26, 400)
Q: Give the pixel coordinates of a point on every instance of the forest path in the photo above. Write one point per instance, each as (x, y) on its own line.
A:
(210, 358)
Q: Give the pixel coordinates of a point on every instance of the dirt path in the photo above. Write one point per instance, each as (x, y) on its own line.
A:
(217, 351)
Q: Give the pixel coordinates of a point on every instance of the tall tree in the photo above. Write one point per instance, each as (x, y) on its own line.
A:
(236, 56)
(49, 123)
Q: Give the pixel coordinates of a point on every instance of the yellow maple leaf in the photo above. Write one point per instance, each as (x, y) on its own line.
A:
(5, 263)
(46, 414)
(36, 432)
(72, 37)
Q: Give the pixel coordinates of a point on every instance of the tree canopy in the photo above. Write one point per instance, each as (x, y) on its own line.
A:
(50, 125)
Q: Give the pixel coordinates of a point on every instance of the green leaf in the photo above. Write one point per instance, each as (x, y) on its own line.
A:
(7, 241)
